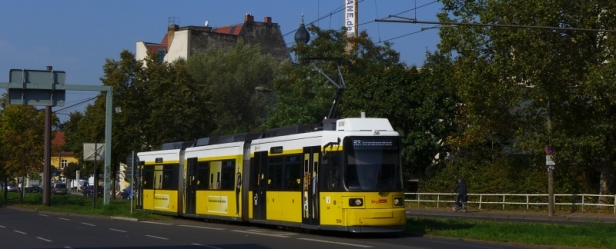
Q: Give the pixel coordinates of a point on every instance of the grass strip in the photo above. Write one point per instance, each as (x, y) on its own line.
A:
(590, 235)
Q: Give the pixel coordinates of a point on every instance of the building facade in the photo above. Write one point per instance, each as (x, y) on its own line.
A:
(182, 42)
(60, 158)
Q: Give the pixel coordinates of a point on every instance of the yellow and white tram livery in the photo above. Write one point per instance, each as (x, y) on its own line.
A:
(345, 176)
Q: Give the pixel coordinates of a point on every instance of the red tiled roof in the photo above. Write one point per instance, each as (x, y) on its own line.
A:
(165, 40)
(230, 30)
(58, 139)
(155, 47)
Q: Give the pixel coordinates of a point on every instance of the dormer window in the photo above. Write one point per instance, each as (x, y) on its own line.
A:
(161, 55)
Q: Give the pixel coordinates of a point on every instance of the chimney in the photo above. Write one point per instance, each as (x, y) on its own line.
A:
(267, 20)
(249, 18)
(170, 34)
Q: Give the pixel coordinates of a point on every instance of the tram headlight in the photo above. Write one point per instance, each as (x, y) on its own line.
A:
(398, 201)
(356, 202)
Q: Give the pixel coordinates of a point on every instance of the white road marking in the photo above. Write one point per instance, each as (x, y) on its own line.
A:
(44, 215)
(88, 224)
(337, 243)
(63, 218)
(157, 223)
(213, 247)
(117, 230)
(156, 237)
(265, 234)
(43, 239)
(211, 228)
(2, 227)
(17, 231)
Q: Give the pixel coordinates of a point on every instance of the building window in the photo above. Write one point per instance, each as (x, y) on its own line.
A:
(161, 55)
(64, 163)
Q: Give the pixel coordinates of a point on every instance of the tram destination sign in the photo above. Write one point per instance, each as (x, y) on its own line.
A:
(374, 143)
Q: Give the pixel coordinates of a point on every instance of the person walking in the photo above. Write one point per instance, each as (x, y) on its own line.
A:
(462, 192)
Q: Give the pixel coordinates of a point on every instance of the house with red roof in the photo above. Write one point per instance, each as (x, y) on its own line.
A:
(182, 42)
(59, 157)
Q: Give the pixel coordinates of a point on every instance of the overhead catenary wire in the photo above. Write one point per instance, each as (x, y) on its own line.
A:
(415, 21)
(378, 25)
(322, 17)
(79, 103)
(330, 14)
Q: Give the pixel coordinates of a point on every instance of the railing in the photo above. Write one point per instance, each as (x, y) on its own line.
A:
(528, 200)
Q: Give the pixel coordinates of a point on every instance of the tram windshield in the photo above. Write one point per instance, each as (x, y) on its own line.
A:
(372, 164)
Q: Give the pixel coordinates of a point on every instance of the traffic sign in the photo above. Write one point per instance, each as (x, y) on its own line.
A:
(36, 87)
(130, 163)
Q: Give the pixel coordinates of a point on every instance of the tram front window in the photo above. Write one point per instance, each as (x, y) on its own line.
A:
(372, 165)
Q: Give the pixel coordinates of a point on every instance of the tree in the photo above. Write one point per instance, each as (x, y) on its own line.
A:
(23, 126)
(229, 78)
(419, 105)
(531, 88)
(70, 171)
(73, 136)
(176, 106)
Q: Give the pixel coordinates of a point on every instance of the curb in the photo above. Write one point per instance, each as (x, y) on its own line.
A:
(123, 218)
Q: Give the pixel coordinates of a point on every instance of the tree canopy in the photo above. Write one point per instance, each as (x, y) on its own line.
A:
(523, 89)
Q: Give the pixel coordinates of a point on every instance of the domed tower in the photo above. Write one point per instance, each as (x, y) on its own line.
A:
(302, 34)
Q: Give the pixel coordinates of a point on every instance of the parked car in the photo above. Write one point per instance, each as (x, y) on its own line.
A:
(89, 190)
(33, 189)
(59, 188)
(12, 188)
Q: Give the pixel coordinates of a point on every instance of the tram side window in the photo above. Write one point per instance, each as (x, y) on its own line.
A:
(275, 174)
(331, 173)
(170, 177)
(228, 171)
(293, 173)
(203, 170)
(148, 177)
(254, 174)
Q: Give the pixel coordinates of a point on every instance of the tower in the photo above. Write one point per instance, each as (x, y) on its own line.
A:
(302, 34)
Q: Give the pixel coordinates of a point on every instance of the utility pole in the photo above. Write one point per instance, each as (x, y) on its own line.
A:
(47, 156)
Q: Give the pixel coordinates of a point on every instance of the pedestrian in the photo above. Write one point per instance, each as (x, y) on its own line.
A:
(462, 192)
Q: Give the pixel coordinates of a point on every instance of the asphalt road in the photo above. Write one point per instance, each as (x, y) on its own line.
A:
(30, 229)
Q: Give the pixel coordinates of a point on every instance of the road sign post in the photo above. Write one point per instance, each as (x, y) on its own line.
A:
(56, 96)
(131, 161)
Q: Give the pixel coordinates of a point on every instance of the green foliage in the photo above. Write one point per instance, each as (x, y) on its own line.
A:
(70, 171)
(522, 89)
(229, 79)
(173, 106)
(590, 235)
(419, 104)
(22, 130)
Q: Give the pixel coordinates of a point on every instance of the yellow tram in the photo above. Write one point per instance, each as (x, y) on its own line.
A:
(344, 176)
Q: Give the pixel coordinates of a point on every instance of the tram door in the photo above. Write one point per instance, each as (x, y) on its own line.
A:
(191, 186)
(310, 186)
(139, 185)
(259, 182)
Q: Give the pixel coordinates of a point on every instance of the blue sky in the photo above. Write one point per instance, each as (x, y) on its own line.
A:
(76, 36)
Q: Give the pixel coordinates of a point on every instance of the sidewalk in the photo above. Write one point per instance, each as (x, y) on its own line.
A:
(517, 216)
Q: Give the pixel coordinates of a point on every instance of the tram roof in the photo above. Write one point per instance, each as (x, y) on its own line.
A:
(346, 124)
